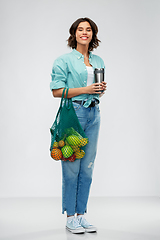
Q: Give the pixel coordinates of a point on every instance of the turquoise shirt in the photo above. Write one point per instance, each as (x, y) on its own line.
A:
(69, 70)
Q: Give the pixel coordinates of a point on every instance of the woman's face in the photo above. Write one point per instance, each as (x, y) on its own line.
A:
(84, 33)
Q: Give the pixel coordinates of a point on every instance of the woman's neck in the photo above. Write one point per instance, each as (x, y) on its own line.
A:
(83, 50)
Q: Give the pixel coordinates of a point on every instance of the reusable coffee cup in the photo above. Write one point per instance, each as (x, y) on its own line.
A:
(99, 75)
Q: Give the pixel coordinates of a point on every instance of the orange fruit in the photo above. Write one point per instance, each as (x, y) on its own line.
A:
(56, 154)
(61, 143)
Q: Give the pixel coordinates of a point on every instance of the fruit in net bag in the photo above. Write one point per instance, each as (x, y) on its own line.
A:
(71, 159)
(67, 151)
(56, 154)
(73, 140)
(61, 143)
(55, 145)
(84, 141)
(75, 148)
(80, 154)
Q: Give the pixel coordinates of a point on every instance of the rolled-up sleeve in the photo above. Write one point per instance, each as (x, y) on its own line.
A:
(59, 74)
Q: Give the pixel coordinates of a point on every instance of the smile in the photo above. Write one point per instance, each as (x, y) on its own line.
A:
(84, 38)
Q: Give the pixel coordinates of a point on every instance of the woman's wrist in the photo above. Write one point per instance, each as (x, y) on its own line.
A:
(84, 90)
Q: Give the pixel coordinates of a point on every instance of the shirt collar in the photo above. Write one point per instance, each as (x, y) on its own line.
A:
(79, 55)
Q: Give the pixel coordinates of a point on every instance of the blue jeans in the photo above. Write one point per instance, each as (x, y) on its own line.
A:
(77, 176)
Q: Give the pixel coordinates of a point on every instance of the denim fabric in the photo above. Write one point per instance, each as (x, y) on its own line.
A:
(77, 176)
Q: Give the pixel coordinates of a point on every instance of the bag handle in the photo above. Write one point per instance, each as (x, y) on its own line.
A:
(63, 96)
(67, 92)
(60, 108)
(64, 92)
(68, 101)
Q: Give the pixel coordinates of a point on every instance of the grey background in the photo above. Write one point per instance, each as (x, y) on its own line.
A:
(33, 35)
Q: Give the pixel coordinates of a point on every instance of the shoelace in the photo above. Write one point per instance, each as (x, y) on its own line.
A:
(82, 219)
(75, 222)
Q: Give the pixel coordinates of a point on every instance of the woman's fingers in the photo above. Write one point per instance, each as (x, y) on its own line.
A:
(101, 86)
(96, 88)
(104, 85)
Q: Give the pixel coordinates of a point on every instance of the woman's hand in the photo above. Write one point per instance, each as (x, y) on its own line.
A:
(104, 89)
(96, 88)
(104, 86)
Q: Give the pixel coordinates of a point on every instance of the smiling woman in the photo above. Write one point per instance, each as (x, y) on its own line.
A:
(75, 71)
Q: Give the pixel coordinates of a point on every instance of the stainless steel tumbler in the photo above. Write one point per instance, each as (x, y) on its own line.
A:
(99, 75)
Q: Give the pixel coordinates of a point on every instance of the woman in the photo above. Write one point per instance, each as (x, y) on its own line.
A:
(75, 71)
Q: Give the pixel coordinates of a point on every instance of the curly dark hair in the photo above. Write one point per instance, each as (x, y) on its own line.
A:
(72, 39)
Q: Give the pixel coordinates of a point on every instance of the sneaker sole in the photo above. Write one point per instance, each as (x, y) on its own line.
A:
(76, 230)
(93, 230)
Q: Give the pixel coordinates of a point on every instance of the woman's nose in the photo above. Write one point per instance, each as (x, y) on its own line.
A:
(84, 31)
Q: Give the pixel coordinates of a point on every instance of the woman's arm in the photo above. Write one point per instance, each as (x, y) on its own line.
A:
(95, 88)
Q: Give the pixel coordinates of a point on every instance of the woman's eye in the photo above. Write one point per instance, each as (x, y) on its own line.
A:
(88, 30)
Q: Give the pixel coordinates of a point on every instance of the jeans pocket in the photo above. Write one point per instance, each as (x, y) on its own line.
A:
(76, 106)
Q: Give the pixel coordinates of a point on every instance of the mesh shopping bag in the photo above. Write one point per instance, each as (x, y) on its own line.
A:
(68, 139)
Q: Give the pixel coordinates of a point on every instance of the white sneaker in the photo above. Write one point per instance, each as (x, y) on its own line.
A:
(74, 226)
(86, 225)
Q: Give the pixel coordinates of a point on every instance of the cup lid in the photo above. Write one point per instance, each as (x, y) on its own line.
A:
(99, 70)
